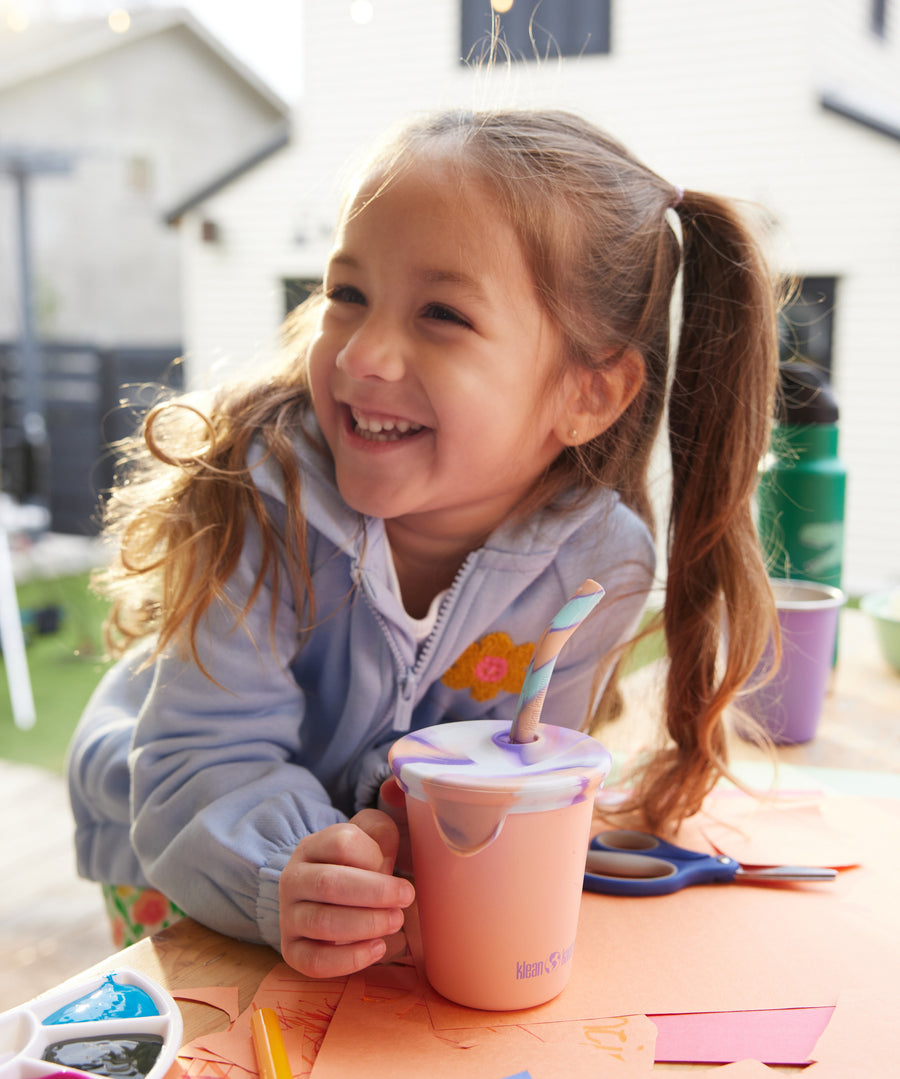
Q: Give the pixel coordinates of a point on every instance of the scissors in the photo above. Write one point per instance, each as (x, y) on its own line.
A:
(625, 862)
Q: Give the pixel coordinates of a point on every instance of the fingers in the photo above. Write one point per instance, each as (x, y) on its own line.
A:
(338, 898)
(332, 960)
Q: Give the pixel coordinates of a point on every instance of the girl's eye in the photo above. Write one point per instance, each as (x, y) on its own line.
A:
(440, 313)
(345, 294)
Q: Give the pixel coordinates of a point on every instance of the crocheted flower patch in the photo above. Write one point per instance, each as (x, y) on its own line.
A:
(489, 666)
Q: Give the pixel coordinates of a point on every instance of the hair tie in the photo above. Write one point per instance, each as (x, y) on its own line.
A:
(677, 197)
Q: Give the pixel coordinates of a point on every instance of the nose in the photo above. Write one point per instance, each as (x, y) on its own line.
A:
(374, 351)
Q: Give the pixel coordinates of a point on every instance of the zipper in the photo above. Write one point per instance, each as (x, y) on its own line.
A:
(444, 610)
(408, 677)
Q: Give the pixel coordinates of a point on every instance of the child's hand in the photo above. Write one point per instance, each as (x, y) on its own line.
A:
(339, 899)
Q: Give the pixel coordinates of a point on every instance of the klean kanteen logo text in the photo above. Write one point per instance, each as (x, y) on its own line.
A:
(525, 969)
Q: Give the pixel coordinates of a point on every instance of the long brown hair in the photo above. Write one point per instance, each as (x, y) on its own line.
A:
(596, 230)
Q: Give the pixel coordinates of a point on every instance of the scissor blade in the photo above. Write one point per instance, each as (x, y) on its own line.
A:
(786, 872)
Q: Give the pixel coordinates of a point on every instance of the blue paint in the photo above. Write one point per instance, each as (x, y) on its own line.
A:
(111, 1000)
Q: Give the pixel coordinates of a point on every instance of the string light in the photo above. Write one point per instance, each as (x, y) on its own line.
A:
(16, 21)
(362, 11)
(119, 21)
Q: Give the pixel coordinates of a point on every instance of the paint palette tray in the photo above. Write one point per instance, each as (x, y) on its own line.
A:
(120, 1025)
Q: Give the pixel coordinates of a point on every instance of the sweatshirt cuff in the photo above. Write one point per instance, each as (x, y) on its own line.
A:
(267, 908)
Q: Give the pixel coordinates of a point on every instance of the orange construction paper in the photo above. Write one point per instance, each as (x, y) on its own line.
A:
(862, 1037)
(199, 1068)
(729, 947)
(801, 830)
(704, 949)
(745, 1069)
(381, 1027)
(304, 1007)
(224, 997)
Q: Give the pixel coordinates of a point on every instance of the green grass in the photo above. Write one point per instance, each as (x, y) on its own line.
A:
(65, 666)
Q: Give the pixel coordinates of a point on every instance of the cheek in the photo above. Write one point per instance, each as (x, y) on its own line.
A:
(318, 368)
(322, 403)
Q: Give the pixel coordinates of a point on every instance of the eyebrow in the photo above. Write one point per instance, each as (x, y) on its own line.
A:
(429, 275)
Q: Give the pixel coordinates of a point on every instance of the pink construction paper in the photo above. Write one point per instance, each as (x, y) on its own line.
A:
(772, 1037)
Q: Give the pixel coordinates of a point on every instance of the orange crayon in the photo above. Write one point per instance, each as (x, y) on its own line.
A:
(268, 1044)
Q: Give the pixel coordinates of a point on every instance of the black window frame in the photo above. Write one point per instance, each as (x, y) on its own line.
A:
(295, 290)
(806, 323)
(878, 18)
(535, 29)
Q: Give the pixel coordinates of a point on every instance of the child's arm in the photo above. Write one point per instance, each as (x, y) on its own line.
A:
(222, 786)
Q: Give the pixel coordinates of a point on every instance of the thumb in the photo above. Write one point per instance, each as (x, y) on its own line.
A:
(380, 827)
(392, 800)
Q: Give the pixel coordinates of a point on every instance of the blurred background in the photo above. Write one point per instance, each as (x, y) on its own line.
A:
(169, 179)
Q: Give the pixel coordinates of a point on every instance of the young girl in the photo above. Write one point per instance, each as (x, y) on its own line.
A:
(372, 537)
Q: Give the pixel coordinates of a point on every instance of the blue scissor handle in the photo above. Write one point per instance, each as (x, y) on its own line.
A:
(625, 862)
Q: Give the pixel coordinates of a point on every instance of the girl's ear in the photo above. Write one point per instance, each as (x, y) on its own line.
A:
(597, 398)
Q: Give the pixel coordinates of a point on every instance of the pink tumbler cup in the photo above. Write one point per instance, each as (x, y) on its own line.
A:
(499, 835)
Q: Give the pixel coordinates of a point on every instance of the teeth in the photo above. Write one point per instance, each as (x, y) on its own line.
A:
(383, 430)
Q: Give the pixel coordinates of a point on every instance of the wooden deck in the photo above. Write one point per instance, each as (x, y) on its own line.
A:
(52, 923)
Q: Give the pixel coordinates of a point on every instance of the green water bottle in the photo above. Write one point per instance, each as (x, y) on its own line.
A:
(803, 483)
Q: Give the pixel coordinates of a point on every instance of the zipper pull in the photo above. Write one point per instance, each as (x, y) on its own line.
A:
(406, 692)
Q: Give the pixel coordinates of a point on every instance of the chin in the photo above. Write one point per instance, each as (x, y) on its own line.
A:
(364, 502)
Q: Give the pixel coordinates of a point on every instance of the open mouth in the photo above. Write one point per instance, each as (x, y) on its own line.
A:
(383, 429)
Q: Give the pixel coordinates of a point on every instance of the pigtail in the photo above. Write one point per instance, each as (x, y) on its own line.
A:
(720, 404)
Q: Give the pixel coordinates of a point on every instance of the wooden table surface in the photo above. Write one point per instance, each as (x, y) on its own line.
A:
(860, 730)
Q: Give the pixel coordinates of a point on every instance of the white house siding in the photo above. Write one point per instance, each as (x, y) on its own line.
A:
(719, 96)
(106, 268)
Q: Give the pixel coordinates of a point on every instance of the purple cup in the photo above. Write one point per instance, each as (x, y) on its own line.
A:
(789, 706)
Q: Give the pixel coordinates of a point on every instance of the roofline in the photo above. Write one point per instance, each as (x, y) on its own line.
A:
(869, 114)
(272, 145)
(144, 24)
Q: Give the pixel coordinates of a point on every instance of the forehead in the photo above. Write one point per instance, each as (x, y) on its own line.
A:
(439, 174)
(436, 210)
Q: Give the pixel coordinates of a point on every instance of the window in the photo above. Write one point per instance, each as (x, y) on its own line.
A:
(878, 18)
(806, 323)
(296, 290)
(532, 29)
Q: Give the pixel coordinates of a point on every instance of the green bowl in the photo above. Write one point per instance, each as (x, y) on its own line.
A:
(884, 610)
